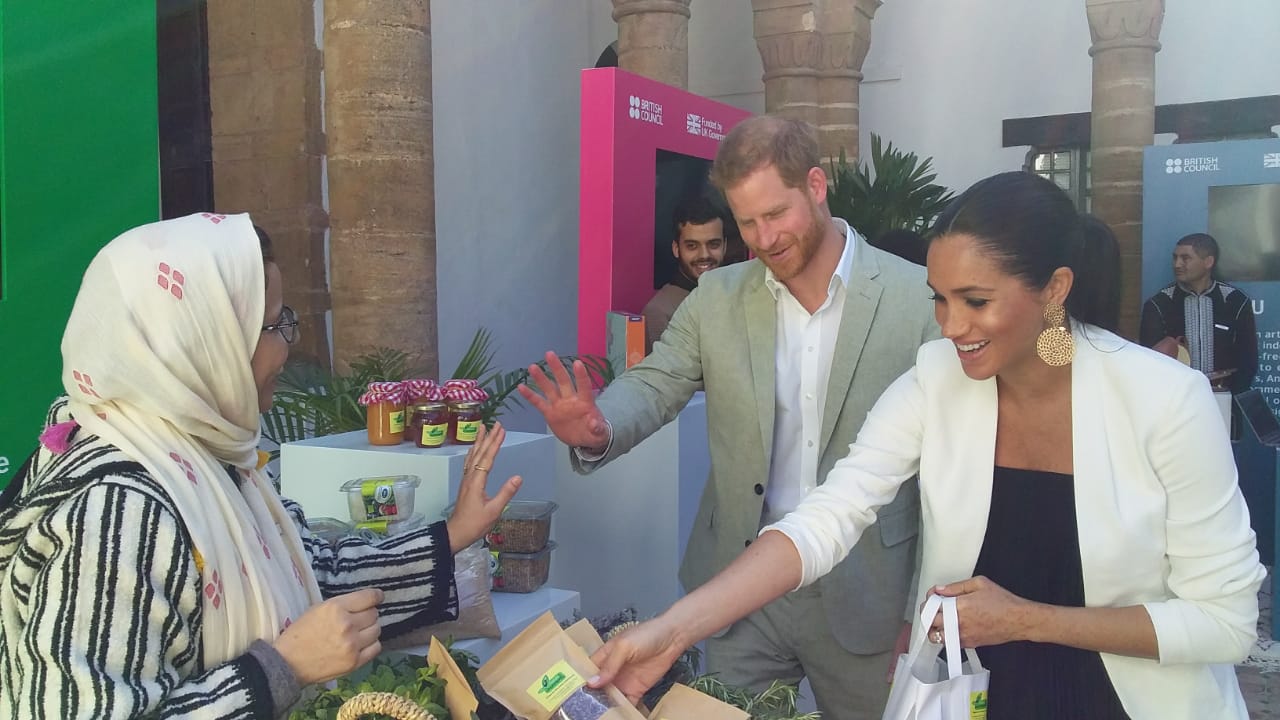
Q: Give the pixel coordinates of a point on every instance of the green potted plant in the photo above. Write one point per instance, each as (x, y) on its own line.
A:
(896, 190)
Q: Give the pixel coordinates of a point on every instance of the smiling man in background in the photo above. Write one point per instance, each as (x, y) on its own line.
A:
(698, 246)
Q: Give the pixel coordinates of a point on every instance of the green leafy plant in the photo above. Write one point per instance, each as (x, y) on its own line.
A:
(406, 676)
(777, 702)
(895, 191)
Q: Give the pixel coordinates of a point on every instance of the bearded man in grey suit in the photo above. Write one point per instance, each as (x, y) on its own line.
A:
(792, 349)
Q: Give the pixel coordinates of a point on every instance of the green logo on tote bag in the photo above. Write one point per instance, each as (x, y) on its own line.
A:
(978, 705)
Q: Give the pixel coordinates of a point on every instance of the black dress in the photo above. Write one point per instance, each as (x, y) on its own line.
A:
(1032, 549)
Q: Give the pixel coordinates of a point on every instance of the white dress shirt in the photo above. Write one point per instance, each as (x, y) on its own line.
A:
(805, 345)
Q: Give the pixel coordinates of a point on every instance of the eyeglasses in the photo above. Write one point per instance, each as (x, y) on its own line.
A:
(287, 325)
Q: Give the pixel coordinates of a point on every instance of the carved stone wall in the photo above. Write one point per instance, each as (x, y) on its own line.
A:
(268, 142)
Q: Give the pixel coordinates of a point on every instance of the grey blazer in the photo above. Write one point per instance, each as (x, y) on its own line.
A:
(721, 340)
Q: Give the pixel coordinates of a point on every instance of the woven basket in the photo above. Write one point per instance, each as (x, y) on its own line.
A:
(388, 704)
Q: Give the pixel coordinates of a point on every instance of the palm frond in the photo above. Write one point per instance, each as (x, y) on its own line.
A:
(477, 362)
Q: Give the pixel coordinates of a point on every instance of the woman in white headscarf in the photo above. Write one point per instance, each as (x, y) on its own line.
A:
(147, 566)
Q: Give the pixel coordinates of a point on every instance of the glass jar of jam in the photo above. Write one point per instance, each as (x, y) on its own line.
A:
(386, 422)
(412, 428)
(429, 425)
(464, 422)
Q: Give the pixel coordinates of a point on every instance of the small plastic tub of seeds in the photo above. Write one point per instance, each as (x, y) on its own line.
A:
(520, 572)
(524, 527)
(374, 498)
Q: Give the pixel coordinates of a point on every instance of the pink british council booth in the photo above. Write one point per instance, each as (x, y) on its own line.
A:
(644, 145)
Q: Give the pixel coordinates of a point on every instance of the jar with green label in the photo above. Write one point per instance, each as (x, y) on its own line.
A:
(464, 421)
(384, 411)
(385, 422)
(429, 426)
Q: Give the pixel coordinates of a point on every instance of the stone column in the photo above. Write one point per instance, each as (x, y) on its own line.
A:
(846, 38)
(790, 48)
(653, 39)
(1126, 36)
(264, 93)
(377, 58)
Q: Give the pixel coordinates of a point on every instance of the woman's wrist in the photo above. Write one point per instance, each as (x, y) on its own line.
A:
(454, 535)
(1039, 623)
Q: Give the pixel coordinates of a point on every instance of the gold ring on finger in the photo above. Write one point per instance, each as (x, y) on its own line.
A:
(481, 467)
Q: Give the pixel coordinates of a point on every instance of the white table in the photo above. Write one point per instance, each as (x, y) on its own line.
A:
(313, 470)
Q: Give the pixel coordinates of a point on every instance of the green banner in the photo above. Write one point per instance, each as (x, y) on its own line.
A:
(78, 165)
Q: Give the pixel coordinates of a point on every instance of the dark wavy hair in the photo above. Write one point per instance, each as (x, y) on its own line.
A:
(1030, 227)
(264, 242)
(696, 209)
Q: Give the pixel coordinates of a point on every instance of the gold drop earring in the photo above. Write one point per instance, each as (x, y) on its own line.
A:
(1055, 345)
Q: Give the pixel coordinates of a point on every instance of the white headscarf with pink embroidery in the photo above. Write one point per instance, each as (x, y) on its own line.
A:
(156, 360)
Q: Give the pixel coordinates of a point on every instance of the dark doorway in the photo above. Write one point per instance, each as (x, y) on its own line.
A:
(186, 136)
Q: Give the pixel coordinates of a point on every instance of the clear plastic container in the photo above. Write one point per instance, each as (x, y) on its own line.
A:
(520, 572)
(524, 527)
(374, 530)
(374, 498)
(331, 530)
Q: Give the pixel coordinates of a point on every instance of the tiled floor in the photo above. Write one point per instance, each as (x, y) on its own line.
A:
(1260, 692)
(1260, 676)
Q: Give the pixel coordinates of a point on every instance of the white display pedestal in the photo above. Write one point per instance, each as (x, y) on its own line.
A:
(515, 611)
(622, 530)
(313, 470)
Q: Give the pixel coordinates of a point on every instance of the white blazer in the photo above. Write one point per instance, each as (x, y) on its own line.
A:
(1161, 519)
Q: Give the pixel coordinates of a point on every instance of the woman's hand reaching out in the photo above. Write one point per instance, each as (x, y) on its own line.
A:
(475, 513)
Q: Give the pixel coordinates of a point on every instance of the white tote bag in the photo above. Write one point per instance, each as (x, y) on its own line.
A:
(925, 687)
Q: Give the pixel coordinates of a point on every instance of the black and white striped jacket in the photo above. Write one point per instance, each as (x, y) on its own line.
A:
(100, 613)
